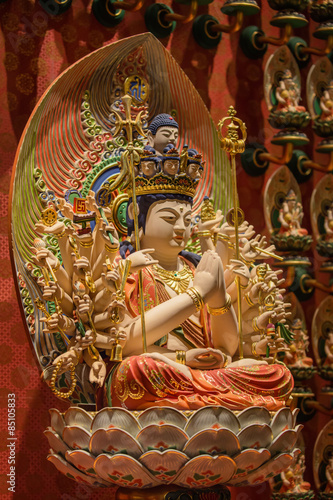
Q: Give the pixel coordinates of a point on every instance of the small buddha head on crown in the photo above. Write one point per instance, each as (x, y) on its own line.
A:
(162, 130)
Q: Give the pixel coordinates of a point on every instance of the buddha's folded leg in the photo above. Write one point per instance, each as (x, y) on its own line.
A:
(140, 382)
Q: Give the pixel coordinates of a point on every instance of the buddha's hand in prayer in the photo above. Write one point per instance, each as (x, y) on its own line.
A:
(205, 359)
(209, 279)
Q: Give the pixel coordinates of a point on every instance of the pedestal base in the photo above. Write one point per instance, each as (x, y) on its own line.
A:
(173, 493)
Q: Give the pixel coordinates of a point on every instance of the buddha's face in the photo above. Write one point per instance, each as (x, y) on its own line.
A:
(194, 170)
(163, 137)
(170, 167)
(168, 225)
(148, 168)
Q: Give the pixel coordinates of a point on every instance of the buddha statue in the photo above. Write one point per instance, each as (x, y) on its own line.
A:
(326, 103)
(189, 300)
(291, 216)
(329, 475)
(297, 357)
(288, 94)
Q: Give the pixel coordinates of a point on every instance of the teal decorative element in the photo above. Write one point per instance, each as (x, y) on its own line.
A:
(155, 22)
(203, 34)
(294, 19)
(106, 14)
(296, 166)
(295, 45)
(295, 5)
(54, 7)
(298, 286)
(289, 119)
(249, 43)
(248, 7)
(251, 161)
(291, 243)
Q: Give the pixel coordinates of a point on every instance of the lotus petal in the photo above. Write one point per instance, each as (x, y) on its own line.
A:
(71, 472)
(295, 413)
(213, 417)
(162, 415)
(255, 436)
(162, 437)
(212, 442)
(56, 442)
(248, 460)
(120, 418)
(206, 471)
(271, 468)
(57, 421)
(164, 465)
(282, 421)
(114, 441)
(78, 417)
(254, 415)
(284, 442)
(82, 460)
(125, 471)
(76, 437)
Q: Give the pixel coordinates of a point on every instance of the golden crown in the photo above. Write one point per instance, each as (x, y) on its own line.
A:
(164, 184)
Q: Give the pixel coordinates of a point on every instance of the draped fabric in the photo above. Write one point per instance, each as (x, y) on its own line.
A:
(140, 382)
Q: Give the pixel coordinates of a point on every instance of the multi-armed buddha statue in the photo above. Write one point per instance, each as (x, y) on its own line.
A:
(176, 349)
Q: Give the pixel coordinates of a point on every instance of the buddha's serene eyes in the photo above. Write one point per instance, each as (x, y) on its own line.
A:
(169, 218)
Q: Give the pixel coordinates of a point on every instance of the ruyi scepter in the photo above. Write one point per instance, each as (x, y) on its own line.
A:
(233, 145)
(130, 156)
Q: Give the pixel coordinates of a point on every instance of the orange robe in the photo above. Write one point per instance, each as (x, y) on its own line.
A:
(140, 382)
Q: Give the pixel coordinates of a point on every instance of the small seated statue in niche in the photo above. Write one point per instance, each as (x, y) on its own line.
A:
(291, 216)
(296, 357)
(288, 94)
(326, 103)
(328, 224)
(329, 475)
(325, 240)
(328, 347)
(292, 482)
(289, 235)
(189, 301)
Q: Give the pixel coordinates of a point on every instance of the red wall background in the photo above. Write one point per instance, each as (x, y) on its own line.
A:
(34, 49)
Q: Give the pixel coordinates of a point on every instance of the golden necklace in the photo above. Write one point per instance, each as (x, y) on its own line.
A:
(177, 280)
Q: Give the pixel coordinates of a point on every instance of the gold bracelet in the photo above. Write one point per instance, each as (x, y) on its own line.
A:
(242, 287)
(223, 237)
(196, 297)
(181, 357)
(249, 300)
(217, 311)
(253, 348)
(255, 325)
(61, 235)
(87, 244)
(110, 249)
(204, 234)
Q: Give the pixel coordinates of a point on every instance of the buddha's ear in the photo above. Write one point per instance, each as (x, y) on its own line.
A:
(150, 138)
(130, 210)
